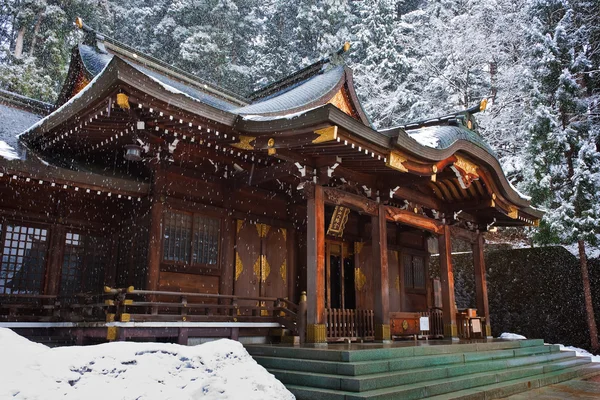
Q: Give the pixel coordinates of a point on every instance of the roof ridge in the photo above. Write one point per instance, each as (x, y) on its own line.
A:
(167, 68)
(301, 74)
(28, 103)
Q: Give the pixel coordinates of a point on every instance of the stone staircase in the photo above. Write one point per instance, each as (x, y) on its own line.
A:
(485, 370)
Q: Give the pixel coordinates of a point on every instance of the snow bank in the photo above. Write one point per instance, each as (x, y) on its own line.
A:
(511, 336)
(125, 370)
(580, 352)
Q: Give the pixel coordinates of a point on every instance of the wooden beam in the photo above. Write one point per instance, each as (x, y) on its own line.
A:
(447, 280)
(381, 285)
(412, 219)
(464, 234)
(481, 294)
(352, 201)
(261, 175)
(419, 198)
(315, 259)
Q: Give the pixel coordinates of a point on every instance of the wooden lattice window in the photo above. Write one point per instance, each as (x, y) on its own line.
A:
(23, 262)
(85, 258)
(414, 271)
(191, 239)
(206, 240)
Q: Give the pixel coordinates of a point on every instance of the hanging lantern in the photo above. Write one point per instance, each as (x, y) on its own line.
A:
(133, 152)
(123, 101)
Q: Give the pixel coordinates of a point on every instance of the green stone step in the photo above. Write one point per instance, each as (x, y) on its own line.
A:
(446, 385)
(404, 363)
(509, 388)
(389, 379)
(386, 352)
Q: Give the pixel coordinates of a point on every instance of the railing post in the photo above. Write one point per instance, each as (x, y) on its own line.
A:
(302, 318)
(184, 310)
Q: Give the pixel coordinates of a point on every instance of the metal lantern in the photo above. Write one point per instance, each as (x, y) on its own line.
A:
(133, 152)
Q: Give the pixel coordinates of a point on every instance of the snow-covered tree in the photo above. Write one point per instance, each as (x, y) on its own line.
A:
(563, 148)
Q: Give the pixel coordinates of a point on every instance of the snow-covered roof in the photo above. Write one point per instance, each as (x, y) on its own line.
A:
(14, 121)
(444, 136)
(95, 61)
(300, 95)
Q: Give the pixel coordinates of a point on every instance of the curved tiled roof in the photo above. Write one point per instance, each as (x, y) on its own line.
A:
(443, 137)
(298, 96)
(95, 61)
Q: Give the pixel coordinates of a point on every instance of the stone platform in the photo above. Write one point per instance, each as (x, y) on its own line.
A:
(478, 369)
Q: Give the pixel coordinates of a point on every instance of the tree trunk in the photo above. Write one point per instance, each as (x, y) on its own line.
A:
(587, 294)
(36, 31)
(19, 43)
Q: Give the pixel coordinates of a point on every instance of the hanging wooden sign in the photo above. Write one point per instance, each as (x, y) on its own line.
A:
(338, 221)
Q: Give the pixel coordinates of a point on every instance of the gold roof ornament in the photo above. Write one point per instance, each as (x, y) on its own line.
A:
(79, 22)
(483, 105)
(346, 46)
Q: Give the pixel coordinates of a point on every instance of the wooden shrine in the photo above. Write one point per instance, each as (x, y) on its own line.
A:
(151, 203)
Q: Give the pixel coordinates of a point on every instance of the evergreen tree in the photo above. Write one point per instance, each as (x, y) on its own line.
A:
(563, 148)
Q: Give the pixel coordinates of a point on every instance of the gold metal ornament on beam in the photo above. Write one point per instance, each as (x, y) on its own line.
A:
(123, 101)
(271, 147)
(395, 160)
(326, 134)
(465, 171)
(513, 212)
(244, 143)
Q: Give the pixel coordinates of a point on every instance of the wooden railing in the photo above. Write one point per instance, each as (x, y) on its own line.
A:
(349, 324)
(436, 323)
(131, 305)
(149, 305)
(49, 308)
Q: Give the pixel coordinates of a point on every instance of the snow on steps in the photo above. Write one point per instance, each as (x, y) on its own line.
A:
(473, 371)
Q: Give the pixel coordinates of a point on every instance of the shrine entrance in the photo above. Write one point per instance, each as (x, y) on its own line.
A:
(340, 283)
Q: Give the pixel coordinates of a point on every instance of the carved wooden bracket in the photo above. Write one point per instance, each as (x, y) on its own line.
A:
(465, 171)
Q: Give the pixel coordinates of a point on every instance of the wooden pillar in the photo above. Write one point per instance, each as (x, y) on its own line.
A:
(292, 276)
(315, 259)
(481, 284)
(55, 260)
(447, 280)
(381, 285)
(155, 246)
(228, 256)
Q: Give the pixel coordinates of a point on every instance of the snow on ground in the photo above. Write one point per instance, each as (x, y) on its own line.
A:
(579, 352)
(511, 336)
(125, 370)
